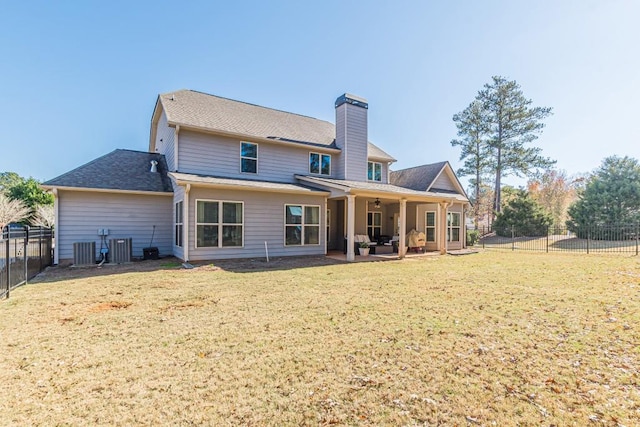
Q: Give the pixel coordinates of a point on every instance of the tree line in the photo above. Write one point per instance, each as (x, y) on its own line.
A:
(495, 134)
(23, 201)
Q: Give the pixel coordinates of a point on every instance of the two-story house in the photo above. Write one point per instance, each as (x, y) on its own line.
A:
(229, 179)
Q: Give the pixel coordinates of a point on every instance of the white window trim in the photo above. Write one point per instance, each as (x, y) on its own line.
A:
(302, 243)
(451, 227)
(319, 164)
(328, 225)
(374, 226)
(250, 158)
(178, 207)
(219, 223)
(434, 226)
(373, 175)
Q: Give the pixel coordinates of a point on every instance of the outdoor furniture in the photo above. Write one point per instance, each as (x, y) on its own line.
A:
(416, 241)
(361, 238)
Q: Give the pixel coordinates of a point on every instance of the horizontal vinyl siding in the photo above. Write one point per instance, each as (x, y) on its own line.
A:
(338, 169)
(205, 154)
(263, 221)
(351, 137)
(125, 215)
(443, 182)
(356, 145)
(165, 141)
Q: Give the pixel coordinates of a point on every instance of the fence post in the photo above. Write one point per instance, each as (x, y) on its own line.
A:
(40, 249)
(7, 260)
(26, 256)
(637, 237)
(547, 239)
(513, 239)
(588, 237)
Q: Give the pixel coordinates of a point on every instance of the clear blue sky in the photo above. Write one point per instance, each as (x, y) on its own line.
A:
(80, 79)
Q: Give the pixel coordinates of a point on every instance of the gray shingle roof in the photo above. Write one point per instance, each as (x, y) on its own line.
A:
(242, 183)
(379, 187)
(119, 170)
(418, 178)
(201, 110)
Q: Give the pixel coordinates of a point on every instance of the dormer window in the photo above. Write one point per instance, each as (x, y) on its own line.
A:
(374, 171)
(248, 157)
(320, 164)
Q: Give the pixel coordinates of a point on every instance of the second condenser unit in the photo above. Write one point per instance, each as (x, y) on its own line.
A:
(120, 250)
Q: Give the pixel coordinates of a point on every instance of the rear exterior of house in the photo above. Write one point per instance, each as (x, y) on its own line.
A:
(235, 180)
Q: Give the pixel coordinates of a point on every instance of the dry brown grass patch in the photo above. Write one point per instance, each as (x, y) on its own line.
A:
(488, 339)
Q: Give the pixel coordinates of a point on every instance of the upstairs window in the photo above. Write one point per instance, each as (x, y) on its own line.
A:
(248, 157)
(320, 164)
(374, 171)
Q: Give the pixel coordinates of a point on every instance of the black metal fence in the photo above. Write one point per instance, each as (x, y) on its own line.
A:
(24, 252)
(587, 239)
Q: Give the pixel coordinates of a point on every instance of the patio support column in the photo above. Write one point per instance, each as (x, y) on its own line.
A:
(185, 222)
(351, 227)
(402, 243)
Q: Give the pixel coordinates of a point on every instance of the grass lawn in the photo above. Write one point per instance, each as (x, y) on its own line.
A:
(495, 338)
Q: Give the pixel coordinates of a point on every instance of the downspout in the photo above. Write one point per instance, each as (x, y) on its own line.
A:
(56, 226)
(176, 136)
(185, 252)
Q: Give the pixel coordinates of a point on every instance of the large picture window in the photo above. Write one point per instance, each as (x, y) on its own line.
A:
(302, 225)
(320, 163)
(178, 224)
(453, 226)
(248, 157)
(430, 226)
(219, 224)
(374, 171)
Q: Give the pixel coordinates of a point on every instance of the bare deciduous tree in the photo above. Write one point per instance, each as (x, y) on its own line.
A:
(44, 216)
(12, 210)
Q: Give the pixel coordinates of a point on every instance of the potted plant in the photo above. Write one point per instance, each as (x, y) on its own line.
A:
(363, 248)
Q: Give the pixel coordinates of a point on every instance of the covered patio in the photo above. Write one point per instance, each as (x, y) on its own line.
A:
(385, 211)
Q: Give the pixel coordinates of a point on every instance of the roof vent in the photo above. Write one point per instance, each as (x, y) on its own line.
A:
(154, 166)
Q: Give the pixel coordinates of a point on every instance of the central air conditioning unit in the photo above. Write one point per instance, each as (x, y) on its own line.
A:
(84, 253)
(120, 250)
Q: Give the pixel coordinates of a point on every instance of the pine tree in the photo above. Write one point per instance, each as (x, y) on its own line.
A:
(610, 198)
(472, 130)
(513, 124)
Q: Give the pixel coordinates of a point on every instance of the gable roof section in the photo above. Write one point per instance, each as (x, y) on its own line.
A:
(124, 170)
(418, 178)
(203, 111)
(422, 178)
